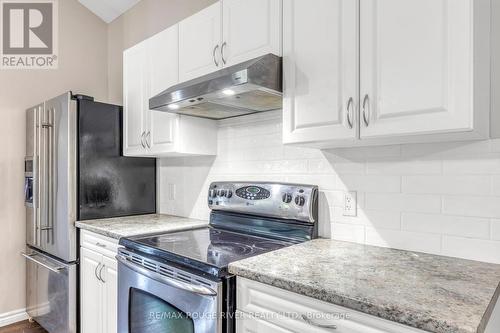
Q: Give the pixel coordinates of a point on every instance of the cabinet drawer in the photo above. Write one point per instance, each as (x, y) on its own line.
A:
(104, 245)
(297, 313)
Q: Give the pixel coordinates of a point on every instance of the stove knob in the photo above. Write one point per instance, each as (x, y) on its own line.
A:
(300, 200)
(229, 194)
(212, 193)
(222, 193)
(287, 198)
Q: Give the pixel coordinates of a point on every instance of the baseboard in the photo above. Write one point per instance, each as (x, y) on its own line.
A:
(12, 317)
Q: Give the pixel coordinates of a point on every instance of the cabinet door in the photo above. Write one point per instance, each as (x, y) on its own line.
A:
(163, 54)
(110, 294)
(199, 43)
(134, 95)
(320, 59)
(90, 292)
(250, 29)
(416, 67)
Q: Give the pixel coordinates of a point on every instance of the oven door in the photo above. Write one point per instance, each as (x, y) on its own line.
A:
(154, 297)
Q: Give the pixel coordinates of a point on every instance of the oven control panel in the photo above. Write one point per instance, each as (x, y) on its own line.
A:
(267, 199)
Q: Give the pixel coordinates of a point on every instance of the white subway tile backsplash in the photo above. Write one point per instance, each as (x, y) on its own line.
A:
(363, 153)
(485, 164)
(474, 249)
(348, 232)
(446, 224)
(480, 206)
(495, 145)
(401, 167)
(412, 241)
(440, 198)
(495, 229)
(367, 217)
(495, 185)
(404, 202)
(380, 184)
(454, 185)
(446, 149)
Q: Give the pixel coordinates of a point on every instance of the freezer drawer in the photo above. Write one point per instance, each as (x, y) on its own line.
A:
(51, 294)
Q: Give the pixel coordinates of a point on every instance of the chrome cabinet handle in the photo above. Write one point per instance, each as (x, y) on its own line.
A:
(349, 109)
(142, 140)
(312, 323)
(213, 55)
(56, 269)
(100, 244)
(201, 290)
(222, 52)
(100, 274)
(95, 272)
(147, 138)
(366, 118)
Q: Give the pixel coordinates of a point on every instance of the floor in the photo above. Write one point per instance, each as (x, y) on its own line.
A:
(23, 327)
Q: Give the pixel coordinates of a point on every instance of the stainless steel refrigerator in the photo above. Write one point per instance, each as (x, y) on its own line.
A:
(74, 170)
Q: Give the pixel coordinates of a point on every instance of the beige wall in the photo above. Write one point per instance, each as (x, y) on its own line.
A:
(142, 21)
(83, 69)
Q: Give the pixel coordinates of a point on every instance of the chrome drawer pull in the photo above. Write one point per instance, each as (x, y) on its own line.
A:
(100, 244)
(95, 272)
(100, 273)
(312, 323)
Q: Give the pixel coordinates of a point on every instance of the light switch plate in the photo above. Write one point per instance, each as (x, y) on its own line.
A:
(350, 204)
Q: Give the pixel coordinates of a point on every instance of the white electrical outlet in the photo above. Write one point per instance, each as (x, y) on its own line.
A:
(171, 191)
(350, 203)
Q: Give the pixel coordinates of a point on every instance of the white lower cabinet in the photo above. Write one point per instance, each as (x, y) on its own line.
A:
(98, 283)
(262, 308)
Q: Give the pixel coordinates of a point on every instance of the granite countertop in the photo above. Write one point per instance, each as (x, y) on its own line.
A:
(118, 227)
(433, 293)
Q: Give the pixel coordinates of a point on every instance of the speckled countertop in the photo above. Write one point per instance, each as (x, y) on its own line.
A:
(433, 293)
(118, 227)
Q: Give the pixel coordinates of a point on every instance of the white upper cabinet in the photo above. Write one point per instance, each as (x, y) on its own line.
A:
(320, 70)
(151, 67)
(250, 29)
(417, 70)
(134, 94)
(417, 67)
(226, 33)
(199, 43)
(163, 73)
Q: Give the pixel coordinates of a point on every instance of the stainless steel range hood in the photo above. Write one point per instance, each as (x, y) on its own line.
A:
(249, 87)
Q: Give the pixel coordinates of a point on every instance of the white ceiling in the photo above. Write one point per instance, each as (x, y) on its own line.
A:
(108, 10)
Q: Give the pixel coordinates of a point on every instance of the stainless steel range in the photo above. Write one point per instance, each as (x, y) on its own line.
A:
(179, 282)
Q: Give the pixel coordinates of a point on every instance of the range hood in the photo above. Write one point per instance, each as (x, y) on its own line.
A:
(249, 87)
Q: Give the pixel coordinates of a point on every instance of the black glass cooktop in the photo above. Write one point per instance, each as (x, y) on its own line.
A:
(209, 249)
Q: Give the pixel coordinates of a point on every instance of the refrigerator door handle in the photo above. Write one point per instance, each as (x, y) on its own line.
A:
(49, 163)
(36, 177)
(40, 169)
(31, 257)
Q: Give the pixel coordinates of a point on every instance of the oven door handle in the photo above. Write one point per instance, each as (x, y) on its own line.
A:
(200, 290)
